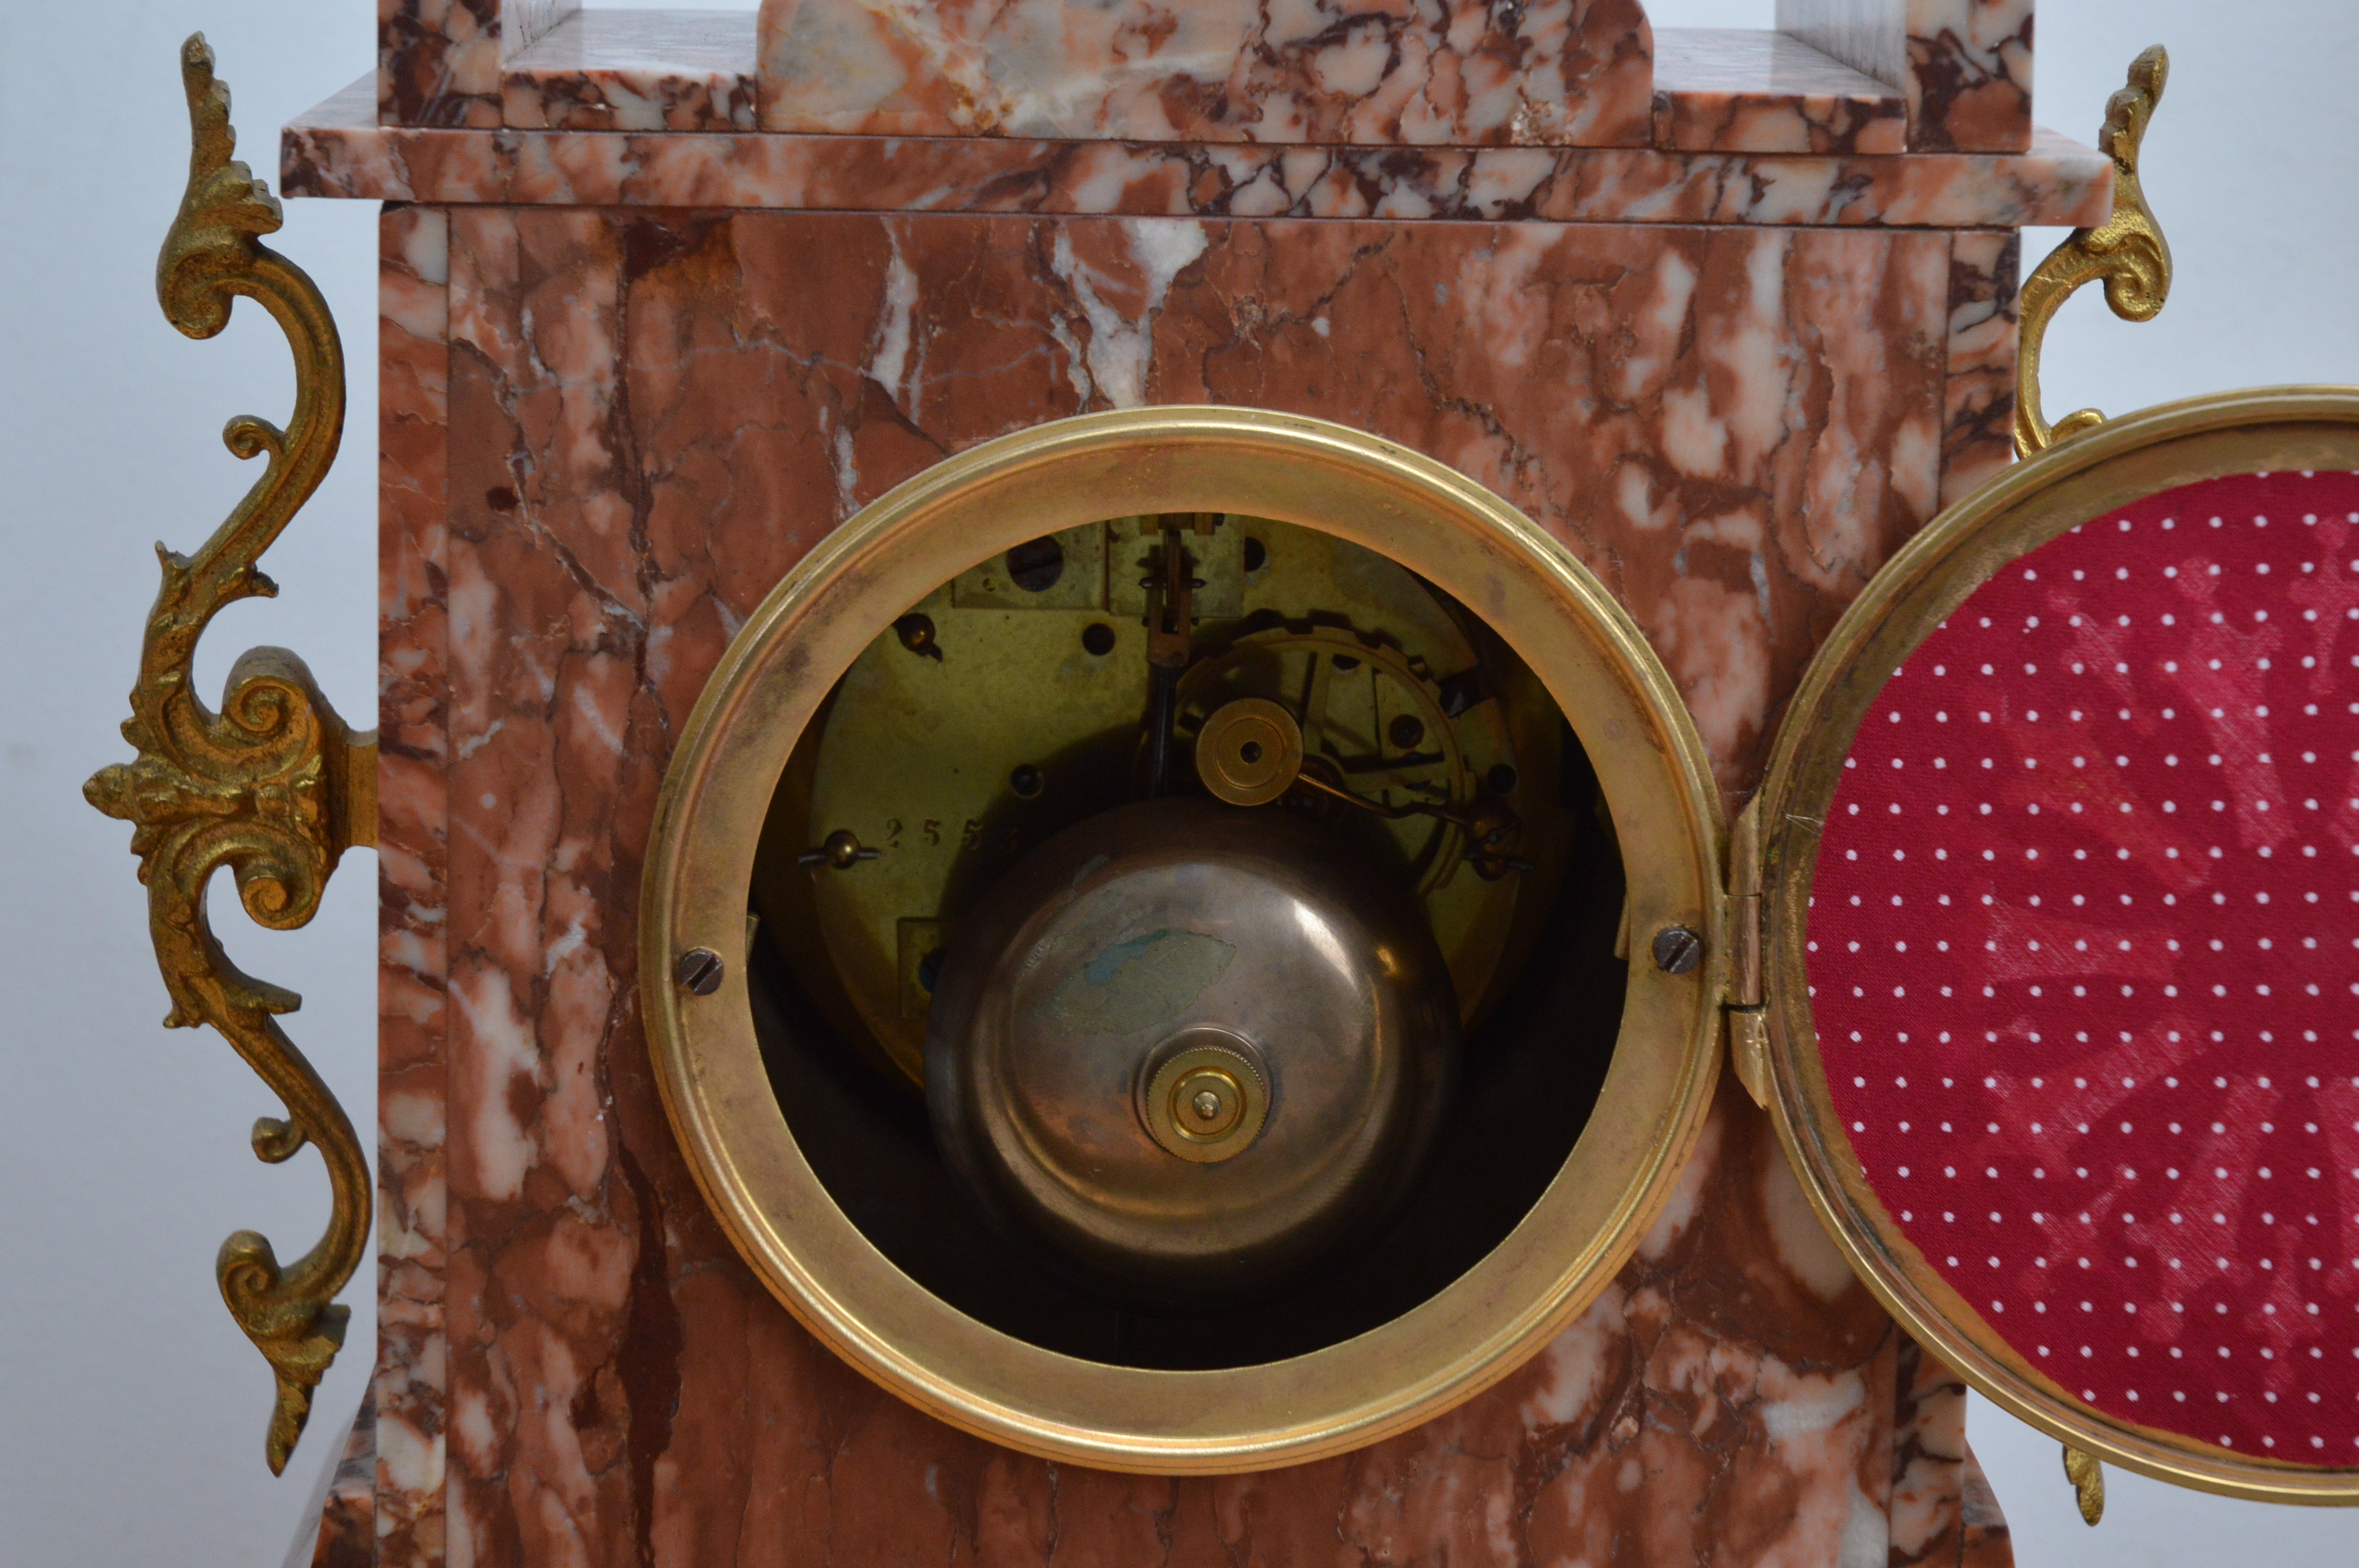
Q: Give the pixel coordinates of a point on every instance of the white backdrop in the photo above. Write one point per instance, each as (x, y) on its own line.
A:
(131, 1408)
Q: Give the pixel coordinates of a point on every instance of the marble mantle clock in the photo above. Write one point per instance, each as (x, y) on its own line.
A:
(1251, 781)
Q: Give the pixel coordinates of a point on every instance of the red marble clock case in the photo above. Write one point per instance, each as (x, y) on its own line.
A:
(607, 434)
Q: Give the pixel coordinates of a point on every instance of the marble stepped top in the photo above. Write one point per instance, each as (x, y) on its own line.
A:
(1387, 72)
(1714, 89)
(635, 70)
(338, 149)
(673, 108)
(1869, 76)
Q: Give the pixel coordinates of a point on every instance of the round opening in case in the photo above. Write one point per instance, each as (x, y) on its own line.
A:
(1186, 889)
(1055, 985)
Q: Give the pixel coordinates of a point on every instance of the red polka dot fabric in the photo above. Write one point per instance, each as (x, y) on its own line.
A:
(2083, 953)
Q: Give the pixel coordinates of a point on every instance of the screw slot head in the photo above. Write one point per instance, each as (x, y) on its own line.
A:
(699, 971)
(1035, 567)
(1678, 950)
(917, 634)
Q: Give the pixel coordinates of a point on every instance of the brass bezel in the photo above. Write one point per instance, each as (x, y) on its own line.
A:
(2138, 455)
(1561, 619)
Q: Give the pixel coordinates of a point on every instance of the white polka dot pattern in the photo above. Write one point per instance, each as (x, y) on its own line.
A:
(2083, 952)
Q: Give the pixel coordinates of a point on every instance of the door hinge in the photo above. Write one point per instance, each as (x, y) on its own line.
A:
(1748, 1030)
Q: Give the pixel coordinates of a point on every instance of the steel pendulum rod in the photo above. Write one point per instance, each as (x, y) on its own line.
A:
(1170, 595)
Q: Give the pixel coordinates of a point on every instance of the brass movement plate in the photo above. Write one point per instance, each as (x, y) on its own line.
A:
(1019, 714)
(2069, 483)
(773, 686)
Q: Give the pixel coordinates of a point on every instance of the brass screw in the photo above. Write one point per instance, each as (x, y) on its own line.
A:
(917, 634)
(699, 971)
(1678, 949)
(1207, 1103)
(841, 848)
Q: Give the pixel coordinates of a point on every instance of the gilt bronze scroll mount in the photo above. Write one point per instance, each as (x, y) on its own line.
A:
(2126, 251)
(274, 787)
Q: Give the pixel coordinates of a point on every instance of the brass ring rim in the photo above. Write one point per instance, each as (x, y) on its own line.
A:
(1596, 663)
(2265, 429)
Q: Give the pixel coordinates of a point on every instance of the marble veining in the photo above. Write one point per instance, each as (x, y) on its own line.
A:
(339, 1530)
(1732, 370)
(635, 70)
(413, 817)
(649, 418)
(1978, 437)
(1714, 89)
(1983, 1541)
(438, 61)
(1418, 73)
(1408, 72)
(1732, 90)
(653, 417)
(337, 149)
(1964, 65)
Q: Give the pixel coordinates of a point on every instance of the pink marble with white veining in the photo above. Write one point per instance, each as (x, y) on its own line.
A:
(1715, 90)
(1942, 1512)
(635, 70)
(438, 61)
(342, 1533)
(1929, 1453)
(652, 416)
(1978, 437)
(1732, 373)
(413, 818)
(1964, 65)
(1418, 72)
(338, 150)
(1734, 89)
(1984, 1539)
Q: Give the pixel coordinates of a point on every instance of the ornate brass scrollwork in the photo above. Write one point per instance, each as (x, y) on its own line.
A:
(2126, 250)
(2088, 1478)
(274, 787)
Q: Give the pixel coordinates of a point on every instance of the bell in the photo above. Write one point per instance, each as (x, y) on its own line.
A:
(1187, 1051)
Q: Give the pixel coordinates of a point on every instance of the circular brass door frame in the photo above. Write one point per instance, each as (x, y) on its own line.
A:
(2124, 461)
(1561, 622)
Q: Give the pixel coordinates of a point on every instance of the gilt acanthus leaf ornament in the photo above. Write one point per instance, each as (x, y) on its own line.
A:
(274, 787)
(2127, 251)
